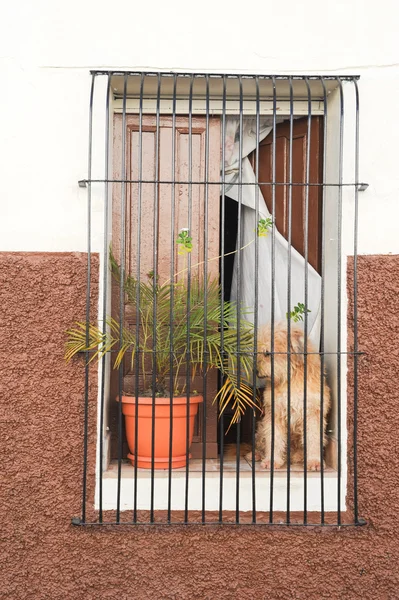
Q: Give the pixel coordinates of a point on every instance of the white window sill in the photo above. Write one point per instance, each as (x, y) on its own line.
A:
(212, 487)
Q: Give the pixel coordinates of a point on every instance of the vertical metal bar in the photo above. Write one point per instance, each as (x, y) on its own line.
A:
(239, 268)
(339, 302)
(138, 277)
(322, 303)
(256, 292)
(172, 282)
(222, 265)
(121, 298)
(289, 301)
(155, 283)
(306, 292)
(104, 297)
(205, 294)
(88, 287)
(355, 325)
(273, 300)
(188, 356)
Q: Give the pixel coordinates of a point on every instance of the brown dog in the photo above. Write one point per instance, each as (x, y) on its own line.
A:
(280, 385)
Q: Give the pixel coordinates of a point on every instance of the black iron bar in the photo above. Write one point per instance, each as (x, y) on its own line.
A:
(355, 324)
(155, 283)
(289, 240)
(290, 185)
(358, 353)
(239, 269)
(138, 277)
(339, 300)
(322, 306)
(221, 75)
(121, 299)
(276, 524)
(222, 275)
(256, 298)
(172, 279)
(306, 292)
(205, 362)
(88, 289)
(104, 299)
(226, 183)
(188, 356)
(273, 302)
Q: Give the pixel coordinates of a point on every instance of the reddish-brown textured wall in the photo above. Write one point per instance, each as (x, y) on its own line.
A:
(43, 556)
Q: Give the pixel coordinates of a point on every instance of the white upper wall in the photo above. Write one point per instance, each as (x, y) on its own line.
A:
(47, 49)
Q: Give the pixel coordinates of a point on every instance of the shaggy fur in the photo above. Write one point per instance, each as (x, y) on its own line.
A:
(264, 367)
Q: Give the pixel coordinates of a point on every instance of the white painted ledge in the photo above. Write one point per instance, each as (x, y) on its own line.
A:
(212, 489)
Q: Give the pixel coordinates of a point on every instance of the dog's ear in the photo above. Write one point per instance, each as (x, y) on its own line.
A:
(297, 342)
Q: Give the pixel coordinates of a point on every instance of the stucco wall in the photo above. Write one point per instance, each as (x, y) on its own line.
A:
(44, 556)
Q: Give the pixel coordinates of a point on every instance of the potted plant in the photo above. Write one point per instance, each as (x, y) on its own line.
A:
(177, 323)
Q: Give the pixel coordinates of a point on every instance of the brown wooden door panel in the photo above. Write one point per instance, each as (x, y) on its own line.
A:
(299, 152)
(163, 226)
(164, 231)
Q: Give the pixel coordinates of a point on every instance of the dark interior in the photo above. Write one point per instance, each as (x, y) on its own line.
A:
(230, 241)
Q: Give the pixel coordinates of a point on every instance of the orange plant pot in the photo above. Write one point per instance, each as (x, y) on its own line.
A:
(162, 413)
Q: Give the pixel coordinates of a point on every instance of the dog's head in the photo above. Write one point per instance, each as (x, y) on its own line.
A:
(280, 350)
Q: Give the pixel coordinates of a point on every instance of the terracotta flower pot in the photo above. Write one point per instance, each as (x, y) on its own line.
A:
(162, 429)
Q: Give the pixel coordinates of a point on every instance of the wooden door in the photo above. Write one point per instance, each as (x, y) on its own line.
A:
(163, 231)
(299, 153)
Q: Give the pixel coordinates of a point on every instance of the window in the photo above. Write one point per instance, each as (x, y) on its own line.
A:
(229, 205)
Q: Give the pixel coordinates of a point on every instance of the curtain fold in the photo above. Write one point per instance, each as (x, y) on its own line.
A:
(249, 196)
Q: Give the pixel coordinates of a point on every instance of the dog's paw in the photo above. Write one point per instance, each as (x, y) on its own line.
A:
(267, 464)
(248, 456)
(314, 464)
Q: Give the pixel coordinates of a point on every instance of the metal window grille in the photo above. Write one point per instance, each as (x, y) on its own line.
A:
(239, 491)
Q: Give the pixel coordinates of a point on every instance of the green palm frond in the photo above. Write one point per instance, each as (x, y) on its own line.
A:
(177, 321)
(83, 338)
(239, 394)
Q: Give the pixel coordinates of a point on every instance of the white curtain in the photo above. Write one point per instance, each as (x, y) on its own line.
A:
(249, 196)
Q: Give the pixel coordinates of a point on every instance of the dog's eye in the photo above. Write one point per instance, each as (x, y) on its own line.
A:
(266, 353)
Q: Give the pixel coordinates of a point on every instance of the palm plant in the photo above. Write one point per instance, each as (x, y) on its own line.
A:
(181, 326)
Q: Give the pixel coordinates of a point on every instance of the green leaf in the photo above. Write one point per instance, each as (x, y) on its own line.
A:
(184, 240)
(297, 314)
(263, 226)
